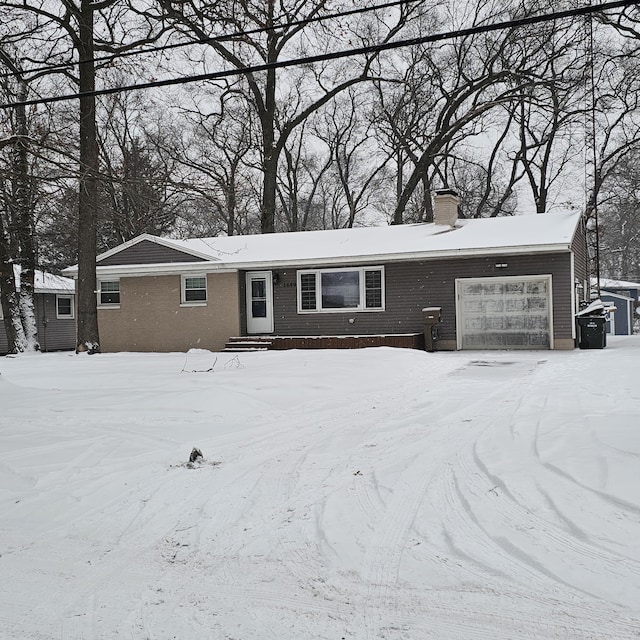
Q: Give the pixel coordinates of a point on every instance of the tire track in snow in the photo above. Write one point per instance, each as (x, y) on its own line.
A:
(485, 617)
(368, 496)
(151, 525)
(501, 613)
(281, 493)
(445, 437)
(607, 497)
(222, 531)
(541, 538)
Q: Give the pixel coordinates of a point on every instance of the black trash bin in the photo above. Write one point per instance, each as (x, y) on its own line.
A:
(593, 332)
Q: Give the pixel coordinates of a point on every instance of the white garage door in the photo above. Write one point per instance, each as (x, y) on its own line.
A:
(504, 313)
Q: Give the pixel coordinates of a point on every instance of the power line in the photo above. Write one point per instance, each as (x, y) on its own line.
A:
(386, 46)
(212, 39)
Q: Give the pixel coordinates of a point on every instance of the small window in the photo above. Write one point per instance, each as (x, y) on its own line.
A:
(109, 293)
(308, 291)
(64, 307)
(194, 289)
(341, 290)
(373, 289)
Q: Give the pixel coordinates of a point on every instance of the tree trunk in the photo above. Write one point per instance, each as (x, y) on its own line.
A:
(24, 225)
(270, 160)
(8, 299)
(88, 338)
(399, 213)
(409, 188)
(269, 188)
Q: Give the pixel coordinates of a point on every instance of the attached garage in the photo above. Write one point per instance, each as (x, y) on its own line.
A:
(504, 313)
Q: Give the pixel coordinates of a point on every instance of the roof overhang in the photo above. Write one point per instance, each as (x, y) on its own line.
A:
(212, 266)
(60, 292)
(603, 292)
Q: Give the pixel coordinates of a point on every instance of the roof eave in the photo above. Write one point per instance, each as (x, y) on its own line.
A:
(223, 267)
(56, 291)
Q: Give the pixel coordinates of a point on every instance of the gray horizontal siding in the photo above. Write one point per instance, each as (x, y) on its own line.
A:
(411, 286)
(147, 252)
(53, 334)
(579, 248)
(3, 339)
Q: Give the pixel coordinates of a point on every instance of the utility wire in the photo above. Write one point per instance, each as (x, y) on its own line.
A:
(386, 46)
(220, 38)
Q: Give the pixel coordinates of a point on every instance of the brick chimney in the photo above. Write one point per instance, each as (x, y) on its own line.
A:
(445, 207)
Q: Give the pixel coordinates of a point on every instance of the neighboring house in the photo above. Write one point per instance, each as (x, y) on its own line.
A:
(625, 297)
(502, 283)
(621, 287)
(55, 313)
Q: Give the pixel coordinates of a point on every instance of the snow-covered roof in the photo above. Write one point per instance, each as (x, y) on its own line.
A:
(611, 294)
(607, 283)
(507, 235)
(47, 282)
(50, 283)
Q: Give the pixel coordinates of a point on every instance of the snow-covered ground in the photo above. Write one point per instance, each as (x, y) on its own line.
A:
(379, 493)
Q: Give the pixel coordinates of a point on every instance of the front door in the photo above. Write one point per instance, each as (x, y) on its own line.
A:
(259, 302)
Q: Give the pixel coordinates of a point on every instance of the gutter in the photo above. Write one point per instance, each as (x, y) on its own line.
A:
(222, 267)
(60, 292)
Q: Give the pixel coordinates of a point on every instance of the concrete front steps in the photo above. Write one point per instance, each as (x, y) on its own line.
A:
(240, 344)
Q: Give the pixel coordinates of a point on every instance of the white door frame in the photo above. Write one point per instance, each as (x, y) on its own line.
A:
(261, 324)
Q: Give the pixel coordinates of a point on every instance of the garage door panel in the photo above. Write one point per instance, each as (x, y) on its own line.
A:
(514, 288)
(509, 313)
(537, 303)
(540, 340)
(494, 323)
(517, 340)
(515, 305)
(537, 287)
(537, 323)
(515, 323)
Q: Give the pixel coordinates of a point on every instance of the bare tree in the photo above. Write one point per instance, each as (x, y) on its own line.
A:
(359, 164)
(620, 219)
(549, 113)
(615, 117)
(272, 30)
(9, 299)
(300, 177)
(69, 33)
(448, 89)
(484, 189)
(217, 157)
(16, 206)
(136, 180)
